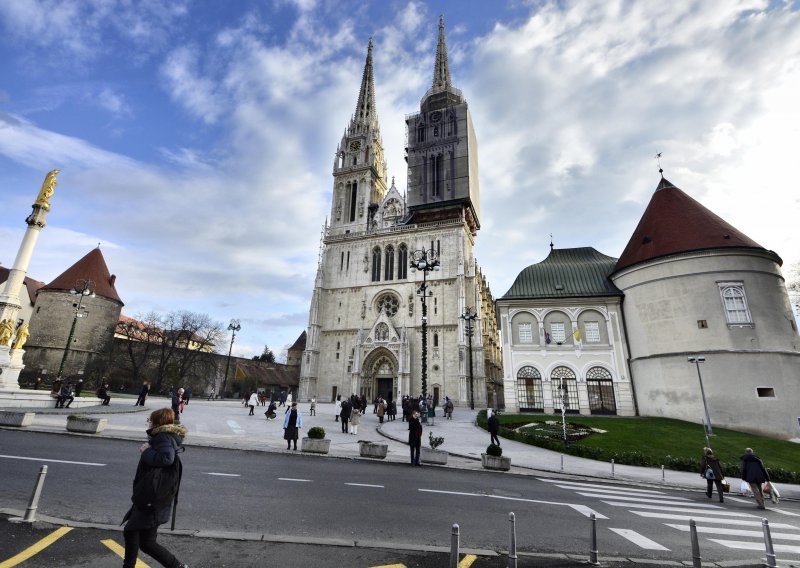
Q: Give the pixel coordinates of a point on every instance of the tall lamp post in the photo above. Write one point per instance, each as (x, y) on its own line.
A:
(697, 359)
(468, 318)
(562, 391)
(83, 289)
(234, 327)
(426, 261)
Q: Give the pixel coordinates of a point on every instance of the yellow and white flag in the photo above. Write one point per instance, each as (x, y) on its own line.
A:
(577, 335)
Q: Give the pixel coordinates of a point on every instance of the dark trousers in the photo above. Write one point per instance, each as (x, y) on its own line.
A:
(140, 400)
(252, 408)
(145, 540)
(62, 399)
(495, 439)
(415, 452)
(344, 425)
(712, 482)
(106, 400)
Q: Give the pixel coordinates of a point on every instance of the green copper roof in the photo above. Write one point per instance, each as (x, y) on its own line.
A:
(566, 273)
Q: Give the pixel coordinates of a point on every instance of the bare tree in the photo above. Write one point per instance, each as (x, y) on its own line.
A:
(793, 287)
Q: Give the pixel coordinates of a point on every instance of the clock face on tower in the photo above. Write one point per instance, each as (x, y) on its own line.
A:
(355, 145)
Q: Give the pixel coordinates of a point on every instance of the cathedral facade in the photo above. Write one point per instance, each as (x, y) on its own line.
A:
(367, 333)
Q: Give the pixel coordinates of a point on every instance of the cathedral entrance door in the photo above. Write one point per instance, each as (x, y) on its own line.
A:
(385, 388)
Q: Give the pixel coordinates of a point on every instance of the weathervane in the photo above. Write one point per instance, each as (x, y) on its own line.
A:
(658, 158)
(551, 241)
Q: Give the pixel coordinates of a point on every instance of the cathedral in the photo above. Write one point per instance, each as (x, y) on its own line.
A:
(400, 306)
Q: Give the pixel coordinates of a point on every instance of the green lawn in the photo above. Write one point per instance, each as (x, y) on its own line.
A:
(657, 441)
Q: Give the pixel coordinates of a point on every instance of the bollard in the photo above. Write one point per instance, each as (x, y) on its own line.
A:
(454, 547)
(30, 512)
(562, 462)
(697, 561)
(663, 477)
(768, 544)
(593, 538)
(512, 547)
(612, 467)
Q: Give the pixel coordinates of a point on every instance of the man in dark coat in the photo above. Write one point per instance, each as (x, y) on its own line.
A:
(414, 437)
(142, 394)
(79, 387)
(141, 529)
(177, 398)
(754, 473)
(64, 394)
(344, 414)
(494, 428)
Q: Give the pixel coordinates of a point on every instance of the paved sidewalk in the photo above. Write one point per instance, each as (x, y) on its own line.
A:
(226, 424)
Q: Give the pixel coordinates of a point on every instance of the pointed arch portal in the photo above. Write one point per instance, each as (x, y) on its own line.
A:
(379, 375)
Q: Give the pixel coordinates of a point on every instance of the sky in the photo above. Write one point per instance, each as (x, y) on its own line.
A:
(196, 139)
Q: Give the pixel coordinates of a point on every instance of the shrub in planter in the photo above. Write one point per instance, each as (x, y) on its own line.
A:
(494, 450)
(432, 455)
(316, 433)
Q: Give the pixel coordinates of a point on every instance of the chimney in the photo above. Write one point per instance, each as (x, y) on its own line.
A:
(112, 279)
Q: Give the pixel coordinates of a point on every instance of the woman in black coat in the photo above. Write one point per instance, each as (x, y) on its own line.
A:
(414, 437)
(141, 529)
(716, 476)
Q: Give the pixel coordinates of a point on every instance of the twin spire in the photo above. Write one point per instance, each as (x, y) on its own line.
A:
(366, 115)
(441, 69)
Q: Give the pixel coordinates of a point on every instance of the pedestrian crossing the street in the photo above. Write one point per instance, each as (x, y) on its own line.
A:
(722, 524)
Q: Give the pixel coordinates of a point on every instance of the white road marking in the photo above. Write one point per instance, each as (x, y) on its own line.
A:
(614, 492)
(677, 501)
(223, 474)
(696, 511)
(53, 461)
(737, 499)
(594, 486)
(712, 520)
(756, 546)
(233, 425)
(364, 485)
(736, 532)
(639, 540)
(582, 509)
(782, 512)
(292, 479)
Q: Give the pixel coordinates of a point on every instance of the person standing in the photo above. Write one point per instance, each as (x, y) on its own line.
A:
(177, 398)
(143, 394)
(754, 473)
(283, 398)
(414, 437)
(711, 471)
(292, 421)
(344, 414)
(355, 420)
(187, 395)
(253, 402)
(381, 410)
(143, 519)
(448, 408)
(494, 428)
(79, 387)
(337, 408)
(313, 409)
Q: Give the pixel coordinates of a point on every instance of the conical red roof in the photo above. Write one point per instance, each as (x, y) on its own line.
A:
(675, 223)
(90, 267)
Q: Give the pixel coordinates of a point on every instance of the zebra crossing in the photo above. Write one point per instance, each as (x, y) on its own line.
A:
(715, 522)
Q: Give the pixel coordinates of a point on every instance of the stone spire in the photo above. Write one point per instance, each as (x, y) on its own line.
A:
(441, 69)
(366, 116)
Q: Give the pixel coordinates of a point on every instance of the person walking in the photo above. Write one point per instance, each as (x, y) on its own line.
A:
(142, 394)
(754, 473)
(282, 399)
(313, 410)
(414, 437)
(494, 428)
(187, 394)
(177, 398)
(381, 410)
(448, 408)
(355, 420)
(78, 387)
(292, 421)
(252, 403)
(165, 439)
(337, 408)
(345, 413)
(711, 471)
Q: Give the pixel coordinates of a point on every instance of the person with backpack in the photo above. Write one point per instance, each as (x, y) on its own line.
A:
(155, 490)
(711, 471)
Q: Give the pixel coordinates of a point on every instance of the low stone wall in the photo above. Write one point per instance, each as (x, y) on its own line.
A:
(23, 398)
(18, 419)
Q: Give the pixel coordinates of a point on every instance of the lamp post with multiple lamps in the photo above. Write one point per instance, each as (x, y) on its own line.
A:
(469, 318)
(234, 327)
(425, 261)
(562, 391)
(697, 359)
(83, 289)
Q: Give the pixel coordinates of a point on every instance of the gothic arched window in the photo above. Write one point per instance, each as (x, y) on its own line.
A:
(529, 389)
(402, 262)
(353, 200)
(389, 270)
(376, 264)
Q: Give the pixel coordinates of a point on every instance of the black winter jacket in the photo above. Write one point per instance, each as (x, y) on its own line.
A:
(753, 470)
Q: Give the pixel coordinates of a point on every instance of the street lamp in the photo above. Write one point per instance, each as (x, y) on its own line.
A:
(697, 359)
(426, 261)
(234, 327)
(468, 318)
(83, 289)
(562, 391)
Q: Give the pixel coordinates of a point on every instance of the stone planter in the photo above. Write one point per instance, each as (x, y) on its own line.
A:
(315, 445)
(18, 419)
(372, 450)
(428, 455)
(86, 425)
(494, 462)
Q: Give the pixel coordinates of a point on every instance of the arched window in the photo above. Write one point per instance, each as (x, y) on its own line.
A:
(353, 200)
(421, 133)
(600, 388)
(402, 262)
(389, 269)
(376, 264)
(437, 172)
(564, 377)
(735, 302)
(529, 389)
(436, 340)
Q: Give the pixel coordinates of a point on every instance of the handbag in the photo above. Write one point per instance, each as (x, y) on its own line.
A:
(726, 486)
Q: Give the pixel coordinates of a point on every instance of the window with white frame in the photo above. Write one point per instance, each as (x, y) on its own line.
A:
(734, 301)
(591, 331)
(557, 332)
(525, 333)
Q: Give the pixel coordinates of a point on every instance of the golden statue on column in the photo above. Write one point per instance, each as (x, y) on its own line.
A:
(48, 188)
(22, 336)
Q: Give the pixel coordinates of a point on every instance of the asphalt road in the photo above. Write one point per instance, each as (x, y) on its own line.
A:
(390, 505)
